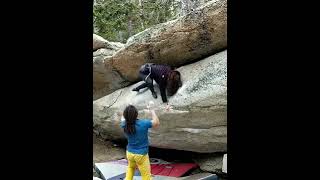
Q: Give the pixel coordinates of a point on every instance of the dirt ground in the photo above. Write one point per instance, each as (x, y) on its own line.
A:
(104, 151)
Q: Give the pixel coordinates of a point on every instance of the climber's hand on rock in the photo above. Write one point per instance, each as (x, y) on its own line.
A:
(150, 105)
(119, 113)
(168, 107)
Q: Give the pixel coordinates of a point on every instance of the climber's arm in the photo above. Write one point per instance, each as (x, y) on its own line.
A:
(155, 120)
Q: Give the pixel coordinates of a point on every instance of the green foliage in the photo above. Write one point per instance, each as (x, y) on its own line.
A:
(117, 20)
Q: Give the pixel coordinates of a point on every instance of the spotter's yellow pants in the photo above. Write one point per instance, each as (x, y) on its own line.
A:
(143, 163)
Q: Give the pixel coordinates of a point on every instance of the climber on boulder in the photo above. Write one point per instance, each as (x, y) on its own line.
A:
(168, 79)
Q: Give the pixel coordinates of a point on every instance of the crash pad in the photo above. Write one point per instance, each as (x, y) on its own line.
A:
(116, 170)
(110, 170)
(173, 170)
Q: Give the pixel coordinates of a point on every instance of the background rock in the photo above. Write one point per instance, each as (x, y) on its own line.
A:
(99, 42)
(199, 119)
(224, 163)
(104, 52)
(105, 78)
(210, 162)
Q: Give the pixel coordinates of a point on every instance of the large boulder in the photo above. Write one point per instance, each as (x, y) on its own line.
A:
(178, 42)
(198, 121)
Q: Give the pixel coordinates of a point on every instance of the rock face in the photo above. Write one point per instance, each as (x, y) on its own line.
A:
(105, 78)
(98, 42)
(210, 162)
(104, 52)
(182, 41)
(198, 121)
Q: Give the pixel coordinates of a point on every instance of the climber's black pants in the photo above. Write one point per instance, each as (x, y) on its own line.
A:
(147, 83)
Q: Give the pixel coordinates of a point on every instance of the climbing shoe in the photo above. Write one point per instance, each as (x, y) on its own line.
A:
(154, 95)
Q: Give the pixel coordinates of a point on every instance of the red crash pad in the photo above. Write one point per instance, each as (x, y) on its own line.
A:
(173, 170)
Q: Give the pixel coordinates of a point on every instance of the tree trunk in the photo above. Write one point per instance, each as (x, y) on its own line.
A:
(130, 27)
(141, 14)
(120, 36)
(157, 19)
